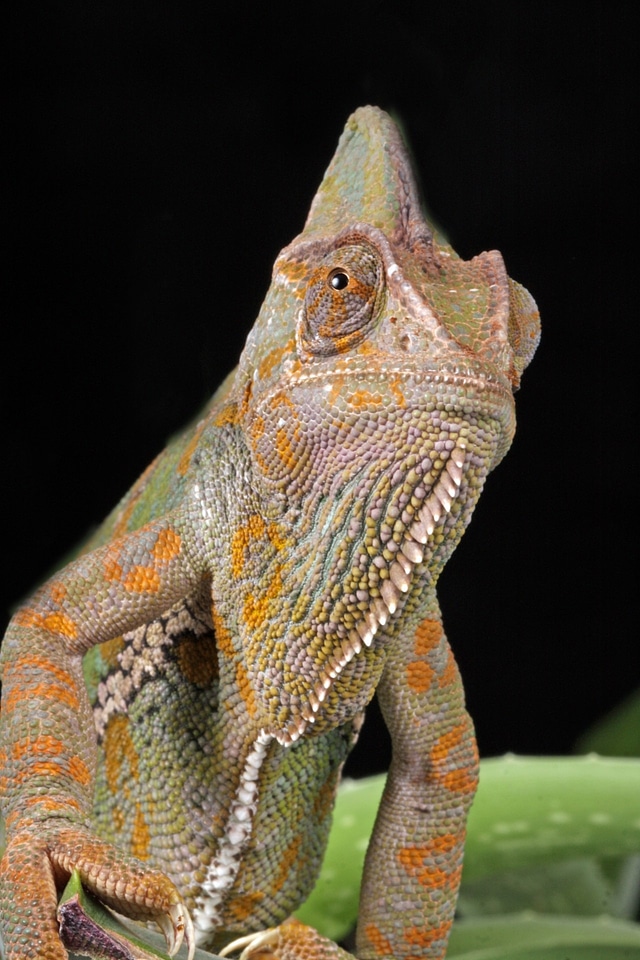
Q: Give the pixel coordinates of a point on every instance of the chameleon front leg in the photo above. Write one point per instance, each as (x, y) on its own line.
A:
(414, 861)
(48, 756)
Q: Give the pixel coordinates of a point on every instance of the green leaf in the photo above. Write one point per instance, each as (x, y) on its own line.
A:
(530, 937)
(618, 734)
(535, 811)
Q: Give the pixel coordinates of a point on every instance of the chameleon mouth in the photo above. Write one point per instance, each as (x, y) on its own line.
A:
(410, 553)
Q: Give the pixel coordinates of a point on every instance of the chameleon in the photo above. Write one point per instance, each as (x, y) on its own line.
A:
(178, 701)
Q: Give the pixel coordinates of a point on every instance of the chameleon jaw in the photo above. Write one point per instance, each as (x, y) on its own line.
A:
(436, 507)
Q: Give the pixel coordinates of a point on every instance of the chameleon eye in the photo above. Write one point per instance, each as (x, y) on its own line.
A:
(338, 279)
(341, 299)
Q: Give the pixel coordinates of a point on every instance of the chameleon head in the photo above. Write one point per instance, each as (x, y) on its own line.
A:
(379, 394)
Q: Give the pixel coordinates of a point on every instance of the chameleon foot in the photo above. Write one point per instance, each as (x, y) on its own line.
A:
(292, 940)
(38, 862)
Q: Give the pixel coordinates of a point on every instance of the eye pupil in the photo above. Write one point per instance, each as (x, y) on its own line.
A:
(339, 279)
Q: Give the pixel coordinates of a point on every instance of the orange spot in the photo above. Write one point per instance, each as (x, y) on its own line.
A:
(450, 673)
(427, 636)
(256, 609)
(74, 768)
(44, 804)
(141, 836)
(58, 623)
(43, 745)
(378, 941)
(42, 691)
(111, 564)
(79, 771)
(167, 546)
(419, 676)
(57, 592)
(51, 804)
(459, 778)
(20, 671)
(421, 937)
(142, 580)
(430, 864)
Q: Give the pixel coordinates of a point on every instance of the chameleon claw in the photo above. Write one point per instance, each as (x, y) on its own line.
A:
(251, 943)
(176, 926)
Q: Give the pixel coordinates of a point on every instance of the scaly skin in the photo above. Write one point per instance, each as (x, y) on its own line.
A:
(274, 567)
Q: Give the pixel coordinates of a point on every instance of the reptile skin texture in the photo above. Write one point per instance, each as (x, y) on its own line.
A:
(179, 700)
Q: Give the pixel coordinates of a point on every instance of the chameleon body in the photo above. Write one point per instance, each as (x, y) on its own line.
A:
(271, 570)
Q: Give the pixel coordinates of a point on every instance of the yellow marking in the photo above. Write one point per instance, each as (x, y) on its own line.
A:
(141, 836)
(110, 649)
(288, 860)
(224, 641)
(363, 399)
(118, 748)
(268, 364)
(243, 907)
(245, 689)
(256, 609)
(253, 529)
(293, 271)
(276, 536)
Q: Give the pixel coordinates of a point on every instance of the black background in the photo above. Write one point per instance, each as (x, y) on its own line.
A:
(161, 156)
